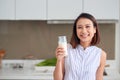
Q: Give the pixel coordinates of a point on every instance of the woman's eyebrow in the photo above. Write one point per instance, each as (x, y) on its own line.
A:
(85, 24)
(88, 24)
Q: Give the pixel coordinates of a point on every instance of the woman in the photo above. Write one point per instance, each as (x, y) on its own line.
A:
(85, 61)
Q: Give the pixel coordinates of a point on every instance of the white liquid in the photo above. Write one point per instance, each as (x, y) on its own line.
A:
(63, 45)
(62, 42)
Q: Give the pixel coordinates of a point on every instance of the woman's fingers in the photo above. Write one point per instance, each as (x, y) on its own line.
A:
(60, 52)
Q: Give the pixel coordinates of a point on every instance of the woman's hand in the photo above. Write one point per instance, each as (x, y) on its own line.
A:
(60, 53)
(59, 69)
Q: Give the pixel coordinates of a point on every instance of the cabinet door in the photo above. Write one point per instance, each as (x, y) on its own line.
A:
(7, 9)
(30, 9)
(64, 9)
(102, 9)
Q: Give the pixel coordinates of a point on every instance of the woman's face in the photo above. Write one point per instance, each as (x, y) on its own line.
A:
(85, 30)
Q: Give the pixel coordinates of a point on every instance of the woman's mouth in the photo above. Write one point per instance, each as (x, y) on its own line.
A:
(85, 35)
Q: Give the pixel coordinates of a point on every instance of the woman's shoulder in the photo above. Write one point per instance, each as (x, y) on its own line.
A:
(100, 49)
(103, 58)
(97, 48)
(103, 53)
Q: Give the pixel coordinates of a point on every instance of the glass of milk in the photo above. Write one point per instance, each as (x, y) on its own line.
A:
(62, 42)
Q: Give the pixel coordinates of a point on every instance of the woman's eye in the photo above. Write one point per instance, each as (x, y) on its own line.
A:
(87, 26)
(79, 27)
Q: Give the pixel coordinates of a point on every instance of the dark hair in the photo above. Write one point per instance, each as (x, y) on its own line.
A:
(75, 40)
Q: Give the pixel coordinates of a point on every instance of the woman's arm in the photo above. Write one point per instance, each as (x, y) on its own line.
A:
(59, 69)
(99, 74)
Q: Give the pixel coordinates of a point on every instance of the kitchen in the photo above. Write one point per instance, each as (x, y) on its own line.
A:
(22, 32)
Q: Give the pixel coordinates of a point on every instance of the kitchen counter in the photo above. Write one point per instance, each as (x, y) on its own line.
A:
(25, 74)
(112, 74)
(28, 74)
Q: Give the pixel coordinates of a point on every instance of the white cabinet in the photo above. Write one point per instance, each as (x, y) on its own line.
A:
(22, 9)
(63, 9)
(7, 9)
(30, 9)
(102, 9)
(58, 9)
(70, 9)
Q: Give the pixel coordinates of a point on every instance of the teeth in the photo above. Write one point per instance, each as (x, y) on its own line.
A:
(84, 35)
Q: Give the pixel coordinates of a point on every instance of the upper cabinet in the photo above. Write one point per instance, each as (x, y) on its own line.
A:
(58, 9)
(22, 9)
(102, 9)
(7, 9)
(31, 9)
(70, 9)
(63, 9)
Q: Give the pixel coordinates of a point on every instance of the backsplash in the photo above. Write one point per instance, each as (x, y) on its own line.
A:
(39, 39)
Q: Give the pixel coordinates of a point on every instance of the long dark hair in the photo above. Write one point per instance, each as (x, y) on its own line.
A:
(75, 40)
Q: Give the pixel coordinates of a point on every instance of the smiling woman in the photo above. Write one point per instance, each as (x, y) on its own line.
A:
(85, 61)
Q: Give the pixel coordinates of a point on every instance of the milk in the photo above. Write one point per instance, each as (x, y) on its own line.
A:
(62, 42)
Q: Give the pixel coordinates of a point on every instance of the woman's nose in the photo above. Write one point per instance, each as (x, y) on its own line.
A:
(84, 30)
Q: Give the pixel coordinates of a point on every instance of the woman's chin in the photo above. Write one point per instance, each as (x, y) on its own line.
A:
(85, 41)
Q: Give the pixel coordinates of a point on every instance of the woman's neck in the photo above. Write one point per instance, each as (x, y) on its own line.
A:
(85, 45)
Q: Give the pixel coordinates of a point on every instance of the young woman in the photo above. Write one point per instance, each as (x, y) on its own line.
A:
(85, 61)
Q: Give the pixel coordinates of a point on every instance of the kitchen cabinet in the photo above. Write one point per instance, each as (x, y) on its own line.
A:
(7, 9)
(58, 9)
(22, 9)
(63, 9)
(102, 9)
(30, 9)
(70, 9)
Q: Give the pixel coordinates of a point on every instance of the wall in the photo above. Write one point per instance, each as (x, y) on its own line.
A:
(107, 32)
(37, 38)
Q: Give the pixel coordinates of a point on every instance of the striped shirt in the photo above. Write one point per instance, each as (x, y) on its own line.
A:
(82, 64)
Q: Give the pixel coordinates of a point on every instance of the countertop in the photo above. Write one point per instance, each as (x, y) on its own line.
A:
(112, 74)
(38, 75)
(29, 73)
(25, 74)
